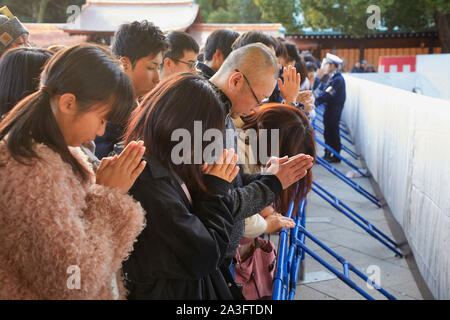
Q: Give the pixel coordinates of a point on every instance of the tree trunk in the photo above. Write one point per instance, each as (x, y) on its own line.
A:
(442, 24)
(42, 9)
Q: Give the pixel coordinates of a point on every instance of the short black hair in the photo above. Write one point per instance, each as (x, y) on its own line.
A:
(300, 66)
(254, 37)
(310, 66)
(221, 39)
(139, 39)
(280, 50)
(310, 58)
(178, 42)
(292, 51)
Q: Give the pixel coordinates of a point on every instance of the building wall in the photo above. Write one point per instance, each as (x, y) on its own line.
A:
(351, 56)
(48, 34)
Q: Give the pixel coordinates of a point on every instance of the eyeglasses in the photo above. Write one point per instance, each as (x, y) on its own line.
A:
(192, 65)
(253, 92)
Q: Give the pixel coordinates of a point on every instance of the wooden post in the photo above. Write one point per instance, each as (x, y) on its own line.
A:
(361, 51)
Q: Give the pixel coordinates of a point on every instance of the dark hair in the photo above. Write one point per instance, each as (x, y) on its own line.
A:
(291, 122)
(178, 42)
(221, 39)
(310, 67)
(254, 37)
(93, 75)
(20, 69)
(309, 58)
(280, 50)
(175, 104)
(137, 40)
(292, 51)
(300, 66)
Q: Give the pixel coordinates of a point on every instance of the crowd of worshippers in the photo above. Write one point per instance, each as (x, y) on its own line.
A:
(362, 67)
(92, 203)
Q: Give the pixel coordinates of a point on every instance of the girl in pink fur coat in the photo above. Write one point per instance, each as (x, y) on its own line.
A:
(64, 231)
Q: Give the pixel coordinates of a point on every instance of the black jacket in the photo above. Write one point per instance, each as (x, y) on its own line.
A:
(178, 254)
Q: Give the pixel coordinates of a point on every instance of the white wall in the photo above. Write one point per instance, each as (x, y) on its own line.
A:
(405, 141)
(432, 76)
(435, 68)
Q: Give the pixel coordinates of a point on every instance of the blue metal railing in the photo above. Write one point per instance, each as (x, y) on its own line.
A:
(348, 181)
(356, 218)
(340, 157)
(290, 260)
(320, 112)
(344, 147)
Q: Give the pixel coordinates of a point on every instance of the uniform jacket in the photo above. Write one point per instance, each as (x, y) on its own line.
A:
(334, 94)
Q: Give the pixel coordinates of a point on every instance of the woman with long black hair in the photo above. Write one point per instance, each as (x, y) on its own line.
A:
(189, 210)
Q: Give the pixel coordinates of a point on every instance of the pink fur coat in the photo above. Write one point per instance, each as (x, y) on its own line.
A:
(61, 238)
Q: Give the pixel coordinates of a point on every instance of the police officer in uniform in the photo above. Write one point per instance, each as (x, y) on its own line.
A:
(333, 98)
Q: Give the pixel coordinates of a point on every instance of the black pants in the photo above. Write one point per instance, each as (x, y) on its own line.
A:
(331, 119)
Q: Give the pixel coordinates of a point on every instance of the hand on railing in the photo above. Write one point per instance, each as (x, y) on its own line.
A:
(277, 221)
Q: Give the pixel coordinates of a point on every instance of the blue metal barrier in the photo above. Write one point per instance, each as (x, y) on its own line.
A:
(344, 147)
(289, 262)
(340, 157)
(347, 180)
(321, 130)
(352, 215)
(281, 275)
(346, 266)
(342, 127)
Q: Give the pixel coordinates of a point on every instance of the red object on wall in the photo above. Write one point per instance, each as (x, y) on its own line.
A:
(399, 61)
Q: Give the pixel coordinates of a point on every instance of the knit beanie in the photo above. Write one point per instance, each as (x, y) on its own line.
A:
(10, 30)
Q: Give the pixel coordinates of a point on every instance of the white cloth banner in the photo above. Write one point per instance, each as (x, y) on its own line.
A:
(405, 141)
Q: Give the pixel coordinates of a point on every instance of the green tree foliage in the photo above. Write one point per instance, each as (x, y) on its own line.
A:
(350, 16)
(208, 6)
(236, 11)
(41, 10)
(281, 11)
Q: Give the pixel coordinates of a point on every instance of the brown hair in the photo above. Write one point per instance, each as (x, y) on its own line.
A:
(92, 75)
(296, 136)
(175, 104)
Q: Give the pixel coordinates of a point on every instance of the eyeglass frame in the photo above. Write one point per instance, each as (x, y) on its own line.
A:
(251, 89)
(192, 65)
